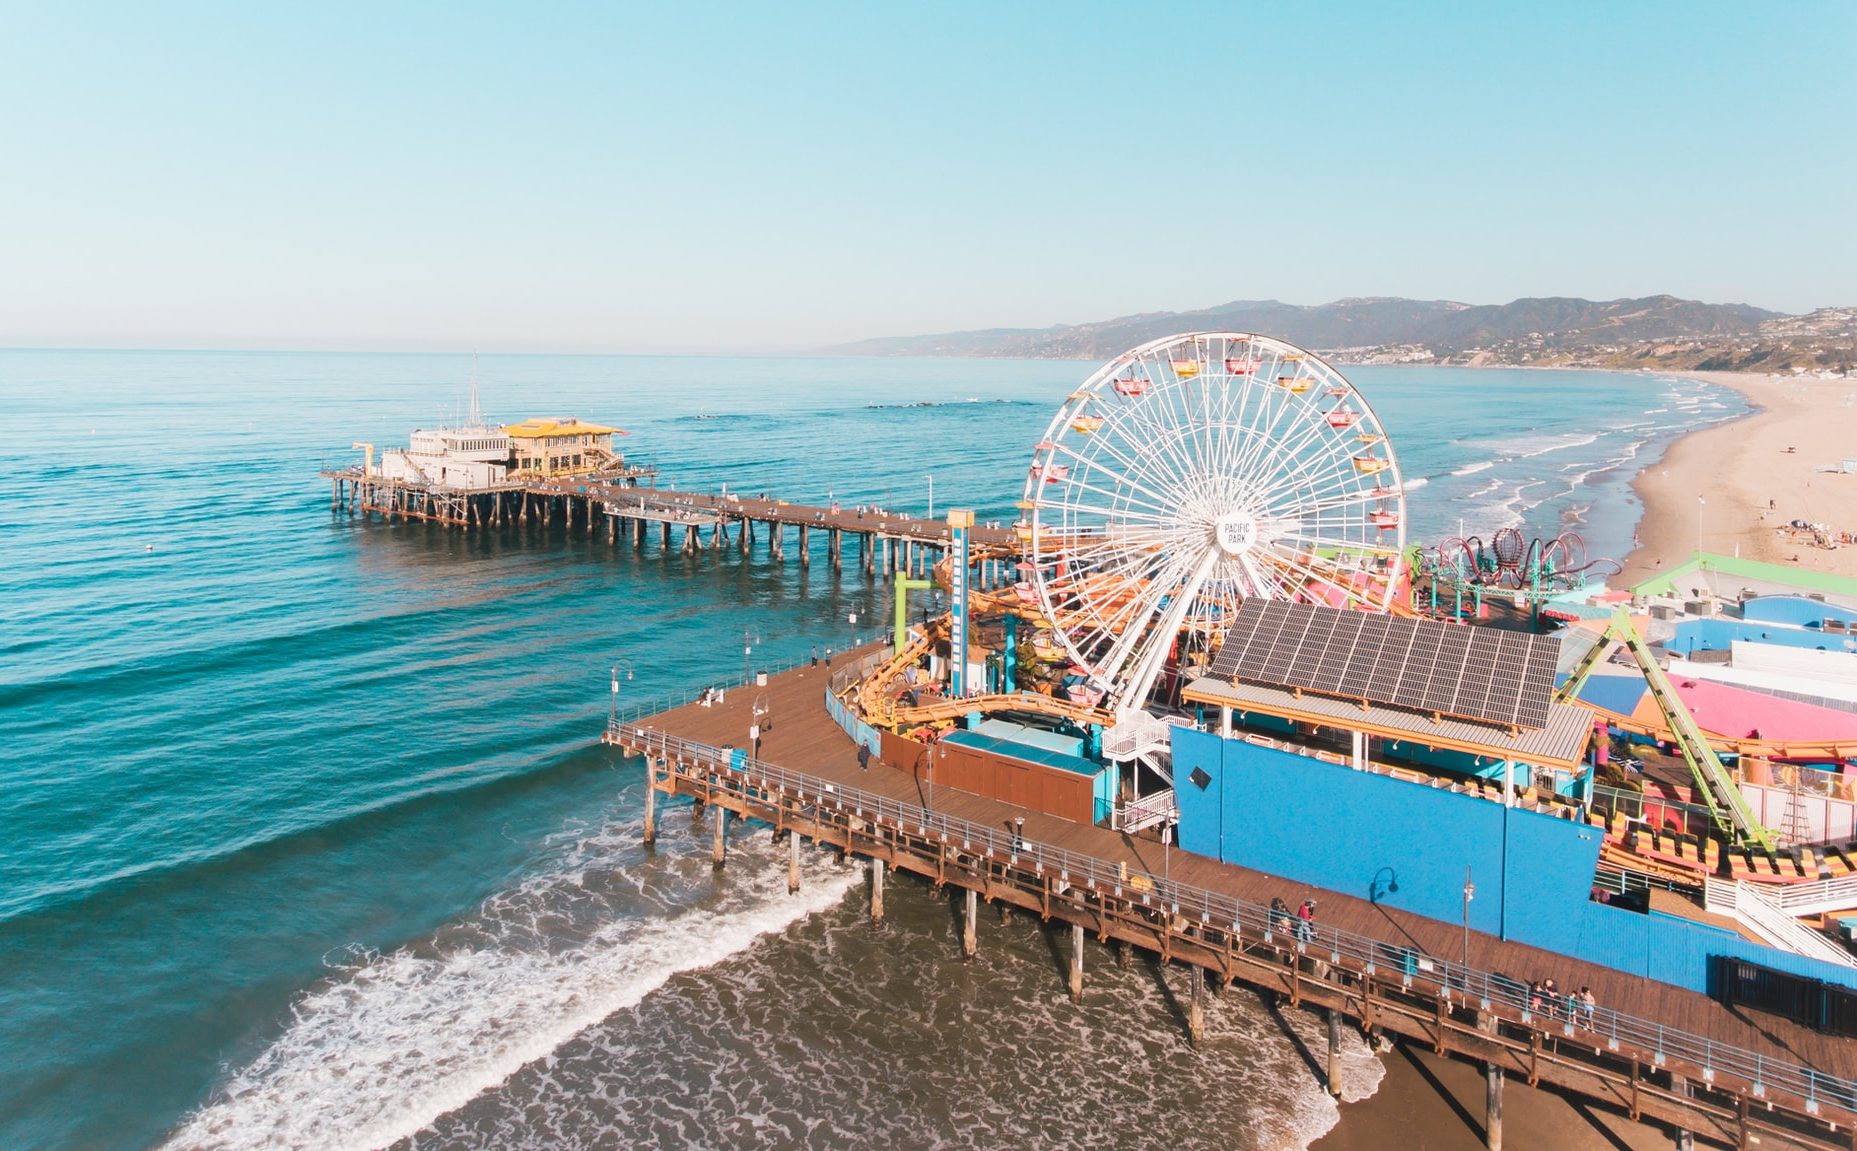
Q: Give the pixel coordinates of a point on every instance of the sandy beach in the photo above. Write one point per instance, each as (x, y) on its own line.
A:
(1753, 475)
(1427, 1103)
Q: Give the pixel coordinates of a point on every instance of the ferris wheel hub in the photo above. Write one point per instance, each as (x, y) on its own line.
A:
(1236, 533)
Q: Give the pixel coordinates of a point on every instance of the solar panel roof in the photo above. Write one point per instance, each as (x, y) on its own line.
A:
(1467, 672)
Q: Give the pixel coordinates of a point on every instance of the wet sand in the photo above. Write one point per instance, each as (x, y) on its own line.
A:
(1426, 1103)
(1738, 467)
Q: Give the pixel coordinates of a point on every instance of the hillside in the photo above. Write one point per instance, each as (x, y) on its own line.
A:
(1656, 331)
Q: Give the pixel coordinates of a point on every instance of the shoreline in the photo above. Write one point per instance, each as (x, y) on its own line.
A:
(1728, 488)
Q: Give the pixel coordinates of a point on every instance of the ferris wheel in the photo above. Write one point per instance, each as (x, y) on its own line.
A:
(1189, 474)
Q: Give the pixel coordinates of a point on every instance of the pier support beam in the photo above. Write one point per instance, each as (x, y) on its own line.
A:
(719, 844)
(793, 862)
(1682, 1138)
(1196, 1006)
(970, 926)
(1076, 963)
(1334, 1052)
(805, 546)
(1492, 1107)
(876, 891)
(651, 803)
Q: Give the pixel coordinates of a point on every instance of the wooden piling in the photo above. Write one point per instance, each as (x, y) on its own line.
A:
(1076, 963)
(1334, 1052)
(793, 862)
(1195, 1007)
(970, 926)
(651, 802)
(876, 891)
(718, 844)
(1492, 1106)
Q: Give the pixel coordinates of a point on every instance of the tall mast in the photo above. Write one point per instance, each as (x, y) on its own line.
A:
(477, 416)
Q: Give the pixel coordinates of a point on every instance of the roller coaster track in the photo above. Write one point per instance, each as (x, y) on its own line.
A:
(1727, 807)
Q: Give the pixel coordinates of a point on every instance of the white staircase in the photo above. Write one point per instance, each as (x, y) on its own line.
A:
(1759, 911)
(1817, 898)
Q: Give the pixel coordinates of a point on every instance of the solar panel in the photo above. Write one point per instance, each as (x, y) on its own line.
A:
(1464, 672)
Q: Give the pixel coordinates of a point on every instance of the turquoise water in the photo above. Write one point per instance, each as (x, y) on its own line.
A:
(305, 824)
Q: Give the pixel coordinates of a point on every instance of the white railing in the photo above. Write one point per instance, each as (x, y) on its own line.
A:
(1816, 898)
(1145, 812)
(1756, 910)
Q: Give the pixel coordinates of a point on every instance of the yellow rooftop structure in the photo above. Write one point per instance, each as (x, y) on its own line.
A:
(539, 429)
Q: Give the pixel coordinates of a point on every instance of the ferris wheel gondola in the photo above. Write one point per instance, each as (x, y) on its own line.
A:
(1216, 467)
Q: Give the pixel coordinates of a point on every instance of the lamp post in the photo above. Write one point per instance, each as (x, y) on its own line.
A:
(749, 639)
(1700, 504)
(1470, 892)
(612, 720)
(852, 619)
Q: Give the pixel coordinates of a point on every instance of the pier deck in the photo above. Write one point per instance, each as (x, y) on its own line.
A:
(1694, 1090)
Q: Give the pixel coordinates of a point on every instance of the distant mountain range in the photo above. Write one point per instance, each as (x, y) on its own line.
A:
(1657, 331)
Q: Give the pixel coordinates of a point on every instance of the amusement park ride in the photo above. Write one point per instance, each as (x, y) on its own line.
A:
(1530, 571)
(1179, 480)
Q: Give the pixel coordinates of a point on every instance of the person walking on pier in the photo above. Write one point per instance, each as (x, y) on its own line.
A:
(1305, 922)
(1279, 915)
(1589, 1005)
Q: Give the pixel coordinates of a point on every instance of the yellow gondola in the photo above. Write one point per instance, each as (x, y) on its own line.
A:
(1369, 465)
(1297, 384)
(1185, 369)
(1084, 425)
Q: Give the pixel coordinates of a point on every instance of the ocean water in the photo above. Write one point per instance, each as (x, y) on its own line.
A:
(308, 842)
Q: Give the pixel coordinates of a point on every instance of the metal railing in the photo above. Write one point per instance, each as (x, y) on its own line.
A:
(1757, 910)
(679, 697)
(1815, 898)
(1616, 1031)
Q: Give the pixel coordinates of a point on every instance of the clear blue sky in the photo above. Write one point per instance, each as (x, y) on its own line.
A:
(694, 177)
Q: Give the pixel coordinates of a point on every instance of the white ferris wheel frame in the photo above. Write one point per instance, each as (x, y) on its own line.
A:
(1194, 471)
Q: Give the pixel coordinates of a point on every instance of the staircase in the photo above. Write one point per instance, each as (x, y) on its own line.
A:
(1817, 898)
(1759, 912)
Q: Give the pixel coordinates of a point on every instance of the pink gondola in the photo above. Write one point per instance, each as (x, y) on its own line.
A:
(1238, 366)
(1343, 418)
(1131, 386)
(1051, 473)
(1026, 592)
(1384, 520)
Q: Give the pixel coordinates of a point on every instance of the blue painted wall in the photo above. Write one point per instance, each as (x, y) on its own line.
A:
(1348, 831)
(1328, 826)
(1793, 609)
(1717, 634)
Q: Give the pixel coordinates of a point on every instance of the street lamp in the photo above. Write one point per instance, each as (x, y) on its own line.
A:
(1700, 504)
(749, 639)
(612, 720)
(1470, 892)
(853, 620)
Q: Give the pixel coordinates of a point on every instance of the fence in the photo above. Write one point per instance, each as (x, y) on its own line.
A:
(680, 697)
(755, 779)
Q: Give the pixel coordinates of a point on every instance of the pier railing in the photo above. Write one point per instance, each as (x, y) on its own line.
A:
(681, 697)
(756, 780)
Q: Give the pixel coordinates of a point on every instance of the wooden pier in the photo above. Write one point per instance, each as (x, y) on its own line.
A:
(1652, 1051)
(623, 507)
